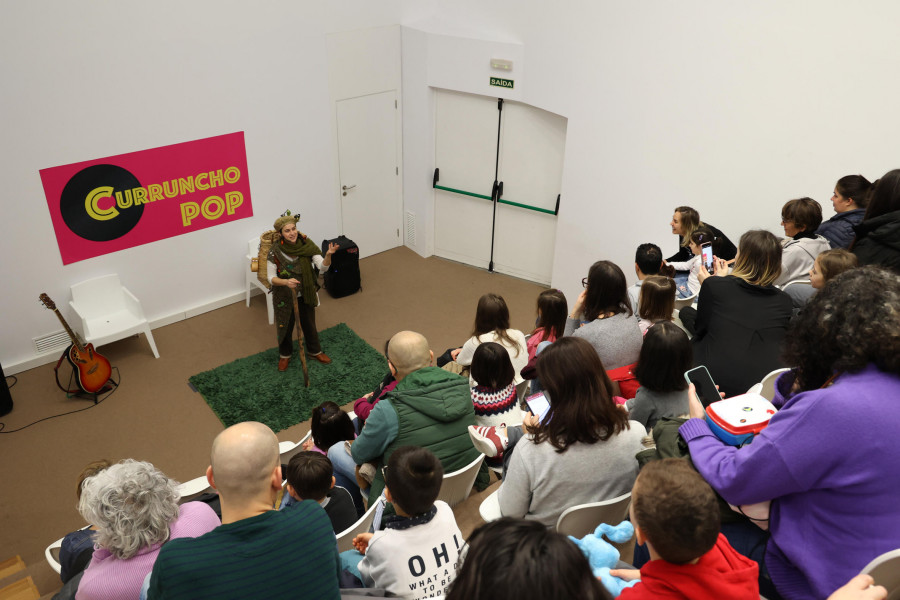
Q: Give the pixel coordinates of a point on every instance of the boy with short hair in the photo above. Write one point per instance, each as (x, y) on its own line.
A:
(647, 261)
(674, 511)
(415, 555)
(310, 476)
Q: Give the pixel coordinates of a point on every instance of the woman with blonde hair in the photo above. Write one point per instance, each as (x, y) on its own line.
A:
(685, 221)
(742, 317)
(134, 508)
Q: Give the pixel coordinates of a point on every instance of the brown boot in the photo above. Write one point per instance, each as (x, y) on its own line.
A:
(321, 357)
(283, 363)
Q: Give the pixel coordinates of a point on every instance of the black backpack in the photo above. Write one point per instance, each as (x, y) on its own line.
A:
(342, 277)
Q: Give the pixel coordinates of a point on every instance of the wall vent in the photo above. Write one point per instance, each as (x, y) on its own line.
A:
(52, 341)
(410, 229)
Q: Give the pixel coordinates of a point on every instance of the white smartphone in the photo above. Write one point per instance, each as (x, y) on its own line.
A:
(707, 252)
(539, 405)
(706, 388)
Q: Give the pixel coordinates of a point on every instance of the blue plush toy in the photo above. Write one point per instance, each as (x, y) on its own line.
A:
(603, 556)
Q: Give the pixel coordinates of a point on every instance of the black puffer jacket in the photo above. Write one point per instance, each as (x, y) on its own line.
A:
(878, 241)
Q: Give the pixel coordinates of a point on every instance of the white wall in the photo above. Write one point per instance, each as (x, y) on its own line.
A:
(85, 79)
(732, 108)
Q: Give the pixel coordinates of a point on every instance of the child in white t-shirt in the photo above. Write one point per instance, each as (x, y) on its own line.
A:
(415, 555)
(700, 236)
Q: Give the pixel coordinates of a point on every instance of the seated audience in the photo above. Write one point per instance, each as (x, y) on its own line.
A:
(329, 426)
(675, 513)
(878, 235)
(702, 235)
(657, 301)
(684, 222)
(800, 218)
(415, 555)
(584, 449)
(516, 558)
(551, 320)
(665, 356)
(828, 265)
(849, 201)
(741, 318)
(78, 546)
(647, 261)
(492, 325)
(134, 508)
(257, 552)
(494, 394)
(310, 476)
(602, 316)
(429, 406)
(861, 587)
(826, 459)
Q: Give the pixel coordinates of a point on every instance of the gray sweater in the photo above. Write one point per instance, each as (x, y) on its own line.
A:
(647, 407)
(617, 339)
(541, 483)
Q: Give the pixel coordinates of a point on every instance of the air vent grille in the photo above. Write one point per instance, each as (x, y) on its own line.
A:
(52, 341)
(410, 229)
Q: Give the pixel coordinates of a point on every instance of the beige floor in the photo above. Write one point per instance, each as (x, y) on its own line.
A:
(155, 416)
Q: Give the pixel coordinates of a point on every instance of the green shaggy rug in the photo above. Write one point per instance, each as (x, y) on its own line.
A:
(252, 388)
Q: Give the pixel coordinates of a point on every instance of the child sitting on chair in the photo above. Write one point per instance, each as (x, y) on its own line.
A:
(415, 555)
(674, 511)
(311, 477)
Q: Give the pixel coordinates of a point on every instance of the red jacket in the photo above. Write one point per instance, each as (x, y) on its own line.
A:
(720, 573)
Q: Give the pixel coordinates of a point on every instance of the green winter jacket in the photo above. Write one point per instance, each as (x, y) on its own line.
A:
(431, 408)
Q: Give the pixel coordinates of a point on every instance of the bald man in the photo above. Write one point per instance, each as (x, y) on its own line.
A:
(430, 407)
(257, 552)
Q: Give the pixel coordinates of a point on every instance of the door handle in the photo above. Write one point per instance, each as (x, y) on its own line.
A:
(347, 187)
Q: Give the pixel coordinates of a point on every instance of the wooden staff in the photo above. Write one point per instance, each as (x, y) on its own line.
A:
(300, 338)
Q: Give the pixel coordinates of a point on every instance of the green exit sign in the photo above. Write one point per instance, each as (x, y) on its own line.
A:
(504, 83)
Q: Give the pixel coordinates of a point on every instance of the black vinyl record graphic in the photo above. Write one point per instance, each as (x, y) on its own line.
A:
(75, 215)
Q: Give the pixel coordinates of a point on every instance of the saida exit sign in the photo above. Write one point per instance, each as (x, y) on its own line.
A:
(504, 83)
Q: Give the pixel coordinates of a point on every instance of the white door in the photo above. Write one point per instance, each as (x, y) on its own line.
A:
(371, 205)
(530, 159)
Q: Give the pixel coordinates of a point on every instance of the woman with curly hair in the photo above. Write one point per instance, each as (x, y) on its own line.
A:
(134, 508)
(827, 460)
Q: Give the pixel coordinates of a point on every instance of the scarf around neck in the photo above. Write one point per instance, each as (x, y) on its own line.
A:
(303, 248)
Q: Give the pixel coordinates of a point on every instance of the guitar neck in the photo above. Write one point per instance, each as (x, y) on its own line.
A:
(69, 330)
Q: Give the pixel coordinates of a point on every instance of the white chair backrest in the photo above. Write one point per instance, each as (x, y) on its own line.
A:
(796, 282)
(578, 521)
(345, 538)
(52, 555)
(98, 296)
(190, 490)
(682, 302)
(288, 449)
(253, 247)
(489, 509)
(885, 570)
(766, 387)
(456, 485)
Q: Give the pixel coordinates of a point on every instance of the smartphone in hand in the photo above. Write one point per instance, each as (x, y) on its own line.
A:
(706, 388)
(706, 252)
(539, 405)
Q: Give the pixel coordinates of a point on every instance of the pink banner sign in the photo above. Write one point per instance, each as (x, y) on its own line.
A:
(109, 204)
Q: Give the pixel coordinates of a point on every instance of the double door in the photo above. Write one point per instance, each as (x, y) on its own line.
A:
(498, 174)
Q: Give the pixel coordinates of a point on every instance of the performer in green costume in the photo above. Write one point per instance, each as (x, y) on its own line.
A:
(294, 264)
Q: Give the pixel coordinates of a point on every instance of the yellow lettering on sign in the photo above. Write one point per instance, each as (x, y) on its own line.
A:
(93, 209)
(202, 177)
(215, 178)
(189, 210)
(212, 208)
(232, 174)
(233, 200)
(121, 202)
(154, 192)
(185, 185)
(140, 196)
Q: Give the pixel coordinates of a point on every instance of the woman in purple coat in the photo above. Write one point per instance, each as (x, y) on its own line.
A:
(828, 459)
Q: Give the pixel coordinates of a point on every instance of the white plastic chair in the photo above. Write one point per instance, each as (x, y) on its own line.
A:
(52, 555)
(766, 387)
(682, 302)
(345, 538)
(796, 282)
(489, 509)
(456, 485)
(885, 570)
(288, 449)
(251, 280)
(580, 520)
(107, 311)
(190, 490)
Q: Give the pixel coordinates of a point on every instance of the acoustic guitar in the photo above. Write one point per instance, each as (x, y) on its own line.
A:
(93, 369)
